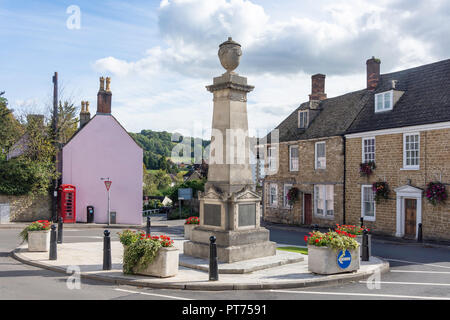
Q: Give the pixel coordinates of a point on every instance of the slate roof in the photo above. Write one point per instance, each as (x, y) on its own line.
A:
(426, 99)
(334, 117)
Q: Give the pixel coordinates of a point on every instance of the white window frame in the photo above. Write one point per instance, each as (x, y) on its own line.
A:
(316, 155)
(271, 159)
(382, 96)
(325, 192)
(363, 214)
(411, 167)
(293, 164)
(274, 203)
(286, 189)
(304, 124)
(364, 160)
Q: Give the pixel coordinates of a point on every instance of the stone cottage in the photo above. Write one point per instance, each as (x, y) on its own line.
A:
(310, 156)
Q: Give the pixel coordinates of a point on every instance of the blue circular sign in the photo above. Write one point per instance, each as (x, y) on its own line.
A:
(344, 259)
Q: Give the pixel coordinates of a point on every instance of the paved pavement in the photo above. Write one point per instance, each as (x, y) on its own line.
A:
(290, 271)
(417, 272)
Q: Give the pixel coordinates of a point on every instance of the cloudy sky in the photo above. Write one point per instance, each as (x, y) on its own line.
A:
(161, 54)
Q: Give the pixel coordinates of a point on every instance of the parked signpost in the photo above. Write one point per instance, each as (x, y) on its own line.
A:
(108, 183)
(184, 194)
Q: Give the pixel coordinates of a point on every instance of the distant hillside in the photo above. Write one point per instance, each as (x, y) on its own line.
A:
(158, 148)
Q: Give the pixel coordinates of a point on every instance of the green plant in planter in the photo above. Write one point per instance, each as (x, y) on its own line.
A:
(39, 225)
(333, 240)
(128, 237)
(192, 220)
(141, 249)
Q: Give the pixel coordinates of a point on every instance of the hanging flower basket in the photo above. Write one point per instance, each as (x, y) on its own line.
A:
(366, 168)
(292, 195)
(436, 193)
(381, 190)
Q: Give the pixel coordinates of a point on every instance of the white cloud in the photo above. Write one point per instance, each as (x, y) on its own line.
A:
(278, 55)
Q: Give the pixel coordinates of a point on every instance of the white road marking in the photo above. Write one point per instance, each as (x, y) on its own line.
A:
(152, 294)
(410, 283)
(420, 271)
(362, 294)
(423, 264)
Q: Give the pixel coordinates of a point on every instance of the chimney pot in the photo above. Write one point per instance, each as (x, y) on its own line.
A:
(102, 83)
(373, 73)
(85, 116)
(108, 82)
(317, 87)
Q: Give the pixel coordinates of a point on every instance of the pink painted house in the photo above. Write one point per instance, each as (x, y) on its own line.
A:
(102, 148)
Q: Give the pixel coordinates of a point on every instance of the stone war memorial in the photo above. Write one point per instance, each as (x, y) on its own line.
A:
(229, 206)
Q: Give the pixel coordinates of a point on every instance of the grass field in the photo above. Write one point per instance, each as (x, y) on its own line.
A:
(294, 249)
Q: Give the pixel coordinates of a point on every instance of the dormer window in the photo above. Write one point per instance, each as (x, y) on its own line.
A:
(384, 101)
(303, 119)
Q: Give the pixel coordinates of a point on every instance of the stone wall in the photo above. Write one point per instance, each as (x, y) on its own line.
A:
(28, 208)
(434, 165)
(305, 179)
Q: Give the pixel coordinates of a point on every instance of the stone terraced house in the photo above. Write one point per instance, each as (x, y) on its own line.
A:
(404, 128)
(311, 158)
(400, 121)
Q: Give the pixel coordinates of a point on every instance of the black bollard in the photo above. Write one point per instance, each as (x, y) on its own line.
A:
(213, 266)
(107, 263)
(149, 224)
(316, 227)
(53, 249)
(365, 246)
(362, 221)
(60, 230)
(419, 233)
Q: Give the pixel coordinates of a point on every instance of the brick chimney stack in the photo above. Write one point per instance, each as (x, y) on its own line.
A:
(104, 97)
(373, 73)
(85, 115)
(318, 88)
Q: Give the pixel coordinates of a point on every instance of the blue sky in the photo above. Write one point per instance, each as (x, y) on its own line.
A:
(161, 54)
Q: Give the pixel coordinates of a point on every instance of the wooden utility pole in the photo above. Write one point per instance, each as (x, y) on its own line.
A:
(55, 139)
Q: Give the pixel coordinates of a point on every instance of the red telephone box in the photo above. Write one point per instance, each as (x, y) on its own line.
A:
(67, 198)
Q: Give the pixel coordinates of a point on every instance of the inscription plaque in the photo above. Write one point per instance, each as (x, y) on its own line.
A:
(212, 214)
(247, 215)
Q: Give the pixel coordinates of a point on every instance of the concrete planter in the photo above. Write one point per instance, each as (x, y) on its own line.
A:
(324, 260)
(188, 230)
(164, 265)
(39, 240)
(359, 240)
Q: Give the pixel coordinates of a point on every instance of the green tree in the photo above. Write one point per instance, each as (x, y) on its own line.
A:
(10, 128)
(67, 121)
(156, 182)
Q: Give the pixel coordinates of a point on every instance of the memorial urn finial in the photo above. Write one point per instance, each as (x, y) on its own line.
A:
(230, 54)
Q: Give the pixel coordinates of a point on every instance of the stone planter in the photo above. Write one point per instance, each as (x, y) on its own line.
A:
(324, 260)
(164, 265)
(188, 230)
(39, 241)
(359, 240)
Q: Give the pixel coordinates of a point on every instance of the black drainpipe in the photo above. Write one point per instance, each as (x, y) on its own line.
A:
(345, 172)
